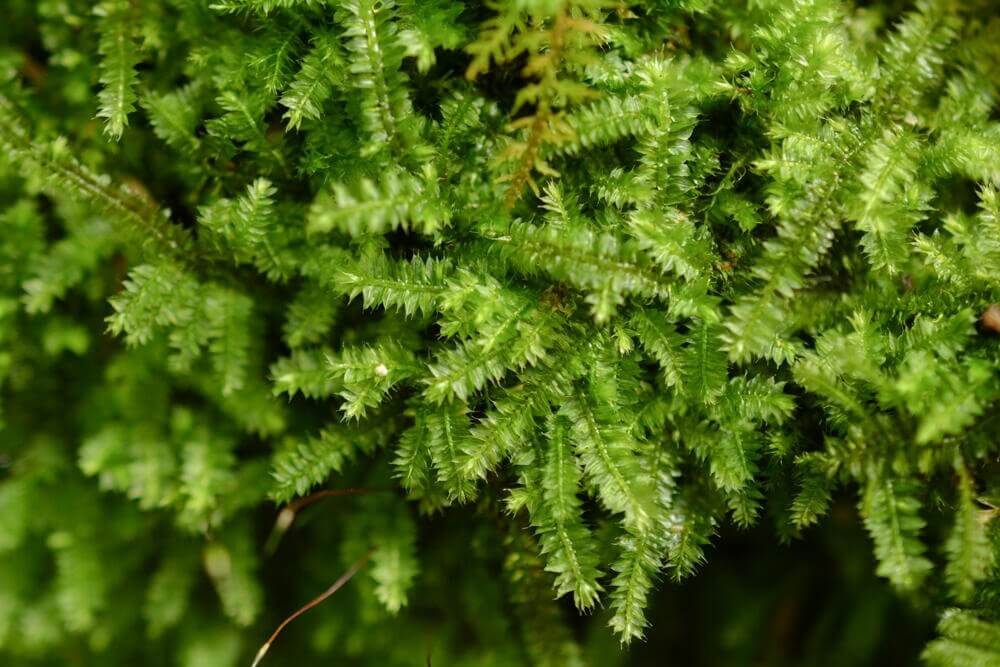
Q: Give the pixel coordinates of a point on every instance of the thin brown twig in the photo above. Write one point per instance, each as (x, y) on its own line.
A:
(305, 501)
(288, 513)
(337, 585)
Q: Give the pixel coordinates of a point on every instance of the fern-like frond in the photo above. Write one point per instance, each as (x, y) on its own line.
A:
(398, 199)
(970, 555)
(299, 466)
(321, 71)
(119, 56)
(414, 287)
(608, 451)
(372, 37)
(366, 374)
(892, 516)
(965, 641)
(568, 546)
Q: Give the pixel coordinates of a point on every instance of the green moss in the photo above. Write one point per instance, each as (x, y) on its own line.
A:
(552, 302)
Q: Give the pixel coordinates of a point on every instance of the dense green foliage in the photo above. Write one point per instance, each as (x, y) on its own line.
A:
(562, 298)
